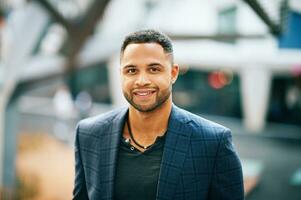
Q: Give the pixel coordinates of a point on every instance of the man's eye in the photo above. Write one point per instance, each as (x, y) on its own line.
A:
(154, 70)
(131, 71)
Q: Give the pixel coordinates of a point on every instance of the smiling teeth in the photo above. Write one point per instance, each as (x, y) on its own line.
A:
(143, 93)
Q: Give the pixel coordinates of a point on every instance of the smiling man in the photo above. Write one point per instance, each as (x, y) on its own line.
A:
(152, 149)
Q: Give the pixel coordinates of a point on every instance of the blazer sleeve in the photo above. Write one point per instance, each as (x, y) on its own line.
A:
(80, 190)
(227, 178)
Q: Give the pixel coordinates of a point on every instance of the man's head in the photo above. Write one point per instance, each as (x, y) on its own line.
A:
(148, 36)
(147, 70)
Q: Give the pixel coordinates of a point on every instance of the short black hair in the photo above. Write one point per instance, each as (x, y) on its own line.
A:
(148, 36)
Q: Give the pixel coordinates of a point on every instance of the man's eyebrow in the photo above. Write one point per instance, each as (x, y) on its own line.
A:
(154, 64)
(128, 66)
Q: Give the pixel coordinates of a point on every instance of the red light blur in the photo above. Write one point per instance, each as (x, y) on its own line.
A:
(219, 79)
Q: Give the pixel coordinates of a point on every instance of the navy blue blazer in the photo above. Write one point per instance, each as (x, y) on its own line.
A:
(198, 163)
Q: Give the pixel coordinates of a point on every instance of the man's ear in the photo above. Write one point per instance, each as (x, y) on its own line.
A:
(174, 72)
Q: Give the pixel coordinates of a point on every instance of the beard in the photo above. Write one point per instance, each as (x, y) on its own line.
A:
(160, 99)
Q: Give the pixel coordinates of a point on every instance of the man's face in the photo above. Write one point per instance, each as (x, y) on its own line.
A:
(147, 75)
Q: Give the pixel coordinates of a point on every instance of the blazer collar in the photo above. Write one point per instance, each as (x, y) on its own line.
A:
(118, 121)
(174, 153)
(178, 121)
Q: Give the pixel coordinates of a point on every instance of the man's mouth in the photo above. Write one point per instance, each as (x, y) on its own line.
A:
(143, 93)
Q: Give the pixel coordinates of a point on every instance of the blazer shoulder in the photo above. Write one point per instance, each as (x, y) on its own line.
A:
(204, 127)
(100, 120)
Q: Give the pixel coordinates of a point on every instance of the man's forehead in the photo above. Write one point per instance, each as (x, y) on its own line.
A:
(147, 46)
(134, 51)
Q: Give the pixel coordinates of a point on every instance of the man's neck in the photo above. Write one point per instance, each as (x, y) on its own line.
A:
(150, 124)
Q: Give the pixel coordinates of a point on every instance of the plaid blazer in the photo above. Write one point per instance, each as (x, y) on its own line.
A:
(198, 163)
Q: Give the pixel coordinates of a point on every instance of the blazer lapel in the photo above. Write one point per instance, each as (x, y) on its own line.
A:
(175, 148)
(110, 142)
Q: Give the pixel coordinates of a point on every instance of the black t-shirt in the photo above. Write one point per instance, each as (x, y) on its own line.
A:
(137, 172)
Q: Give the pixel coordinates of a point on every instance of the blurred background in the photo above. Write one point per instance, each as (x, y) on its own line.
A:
(240, 66)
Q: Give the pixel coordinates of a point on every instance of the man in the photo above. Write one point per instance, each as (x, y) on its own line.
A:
(153, 149)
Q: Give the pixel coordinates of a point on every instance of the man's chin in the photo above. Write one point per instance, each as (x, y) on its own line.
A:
(145, 108)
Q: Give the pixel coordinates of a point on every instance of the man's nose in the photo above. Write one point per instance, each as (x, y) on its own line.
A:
(142, 80)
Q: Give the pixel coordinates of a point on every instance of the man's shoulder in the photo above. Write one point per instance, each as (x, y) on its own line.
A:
(202, 126)
(101, 119)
